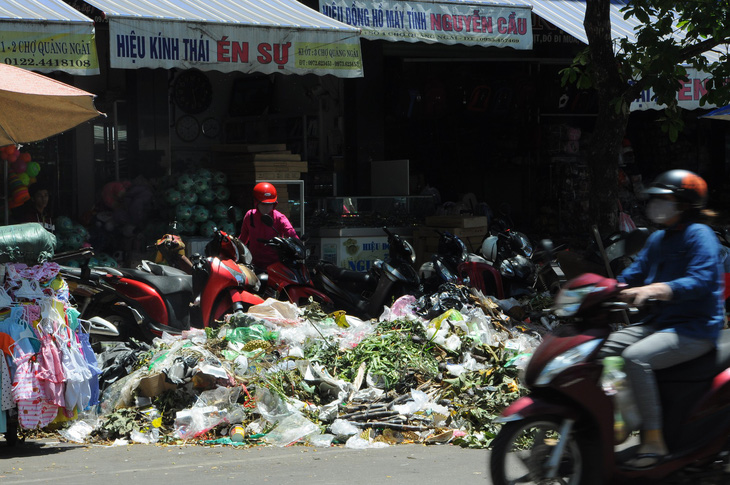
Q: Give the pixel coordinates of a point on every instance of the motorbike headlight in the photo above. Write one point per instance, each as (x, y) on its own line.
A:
(506, 268)
(298, 249)
(566, 359)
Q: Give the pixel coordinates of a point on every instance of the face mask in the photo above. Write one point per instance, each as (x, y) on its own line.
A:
(659, 211)
(266, 208)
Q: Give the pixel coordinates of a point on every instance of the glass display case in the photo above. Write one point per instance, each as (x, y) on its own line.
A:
(348, 231)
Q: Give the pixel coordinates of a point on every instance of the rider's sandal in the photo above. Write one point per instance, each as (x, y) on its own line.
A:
(643, 461)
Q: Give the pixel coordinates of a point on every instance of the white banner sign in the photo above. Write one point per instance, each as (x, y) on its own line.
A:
(688, 96)
(445, 23)
(232, 48)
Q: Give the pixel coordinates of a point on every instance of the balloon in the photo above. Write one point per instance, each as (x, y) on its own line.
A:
(190, 227)
(24, 179)
(207, 228)
(219, 178)
(19, 197)
(200, 213)
(20, 166)
(24, 157)
(190, 197)
(173, 196)
(221, 193)
(12, 157)
(227, 227)
(112, 193)
(201, 184)
(64, 224)
(183, 213)
(220, 211)
(203, 173)
(81, 230)
(185, 182)
(206, 197)
(33, 169)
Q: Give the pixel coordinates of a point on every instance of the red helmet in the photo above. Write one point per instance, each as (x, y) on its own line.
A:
(265, 193)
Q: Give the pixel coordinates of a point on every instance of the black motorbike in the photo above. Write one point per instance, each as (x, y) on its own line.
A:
(365, 294)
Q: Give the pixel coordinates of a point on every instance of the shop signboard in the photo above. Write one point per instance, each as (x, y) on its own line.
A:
(357, 253)
(46, 47)
(168, 44)
(471, 24)
(688, 96)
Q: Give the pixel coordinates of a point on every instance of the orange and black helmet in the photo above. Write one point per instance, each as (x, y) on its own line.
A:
(686, 186)
(265, 193)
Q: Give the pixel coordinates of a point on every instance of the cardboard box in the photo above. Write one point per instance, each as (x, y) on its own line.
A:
(154, 385)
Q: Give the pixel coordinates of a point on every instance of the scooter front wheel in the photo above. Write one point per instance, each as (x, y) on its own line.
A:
(522, 450)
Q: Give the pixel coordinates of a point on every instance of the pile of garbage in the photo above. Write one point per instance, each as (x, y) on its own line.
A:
(434, 370)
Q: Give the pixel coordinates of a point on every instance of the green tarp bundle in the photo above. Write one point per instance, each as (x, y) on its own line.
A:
(26, 243)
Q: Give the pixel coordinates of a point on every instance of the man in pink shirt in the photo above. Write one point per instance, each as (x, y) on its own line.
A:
(253, 228)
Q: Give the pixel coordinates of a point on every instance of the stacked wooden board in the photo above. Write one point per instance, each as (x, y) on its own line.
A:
(471, 229)
(246, 163)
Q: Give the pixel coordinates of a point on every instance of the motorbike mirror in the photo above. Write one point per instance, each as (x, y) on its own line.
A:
(231, 214)
(267, 220)
(548, 249)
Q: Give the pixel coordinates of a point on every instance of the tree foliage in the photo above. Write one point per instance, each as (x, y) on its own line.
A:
(673, 36)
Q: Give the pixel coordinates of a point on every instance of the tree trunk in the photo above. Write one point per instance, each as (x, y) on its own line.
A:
(613, 116)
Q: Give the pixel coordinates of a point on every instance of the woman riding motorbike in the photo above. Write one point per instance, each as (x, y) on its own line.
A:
(254, 231)
(679, 266)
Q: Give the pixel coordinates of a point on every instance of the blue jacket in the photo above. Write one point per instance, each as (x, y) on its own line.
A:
(688, 260)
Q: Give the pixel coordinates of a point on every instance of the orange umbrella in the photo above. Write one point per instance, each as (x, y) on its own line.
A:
(34, 107)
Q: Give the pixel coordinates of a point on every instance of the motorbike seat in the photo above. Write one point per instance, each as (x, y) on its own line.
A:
(702, 368)
(94, 273)
(351, 280)
(171, 281)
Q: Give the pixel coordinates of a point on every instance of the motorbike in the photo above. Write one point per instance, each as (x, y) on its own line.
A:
(453, 263)
(564, 430)
(153, 298)
(523, 269)
(365, 294)
(289, 278)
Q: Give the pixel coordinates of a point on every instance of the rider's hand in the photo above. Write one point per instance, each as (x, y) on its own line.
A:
(655, 291)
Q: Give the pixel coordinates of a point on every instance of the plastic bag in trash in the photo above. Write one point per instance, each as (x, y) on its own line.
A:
(291, 429)
(355, 442)
(253, 332)
(193, 422)
(343, 429)
(77, 432)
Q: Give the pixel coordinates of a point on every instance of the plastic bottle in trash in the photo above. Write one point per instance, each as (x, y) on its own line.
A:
(613, 380)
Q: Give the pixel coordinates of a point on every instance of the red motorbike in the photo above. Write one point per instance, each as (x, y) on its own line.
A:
(289, 278)
(563, 431)
(153, 298)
